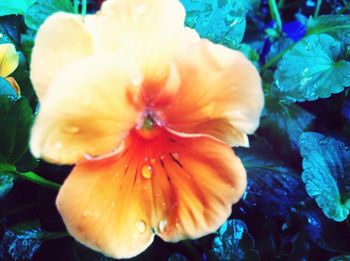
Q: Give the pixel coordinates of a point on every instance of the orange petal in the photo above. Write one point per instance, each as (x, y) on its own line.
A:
(218, 86)
(12, 81)
(87, 110)
(146, 31)
(175, 186)
(61, 40)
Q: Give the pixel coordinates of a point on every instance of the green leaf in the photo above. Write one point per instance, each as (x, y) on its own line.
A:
(220, 21)
(10, 7)
(16, 121)
(326, 164)
(337, 26)
(284, 122)
(42, 9)
(312, 69)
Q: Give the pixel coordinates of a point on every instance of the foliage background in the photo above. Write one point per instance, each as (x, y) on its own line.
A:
(296, 206)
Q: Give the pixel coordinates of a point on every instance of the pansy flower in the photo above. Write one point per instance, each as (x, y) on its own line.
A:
(148, 112)
(9, 61)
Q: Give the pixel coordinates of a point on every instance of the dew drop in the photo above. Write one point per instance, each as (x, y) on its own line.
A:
(140, 9)
(58, 145)
(146, 171)
(175, 155)
(308, 47)
(153, 160)
(323, 141)
(141, 226)
(162, 225)
(137, 80)
(71, 129)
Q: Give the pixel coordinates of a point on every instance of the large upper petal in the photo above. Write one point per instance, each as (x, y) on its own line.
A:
(61, 40)
(146, 31)
(87, 110)
(220, 93)
(176, 186)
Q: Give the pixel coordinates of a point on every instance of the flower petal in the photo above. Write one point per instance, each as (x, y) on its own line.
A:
(87, 110)
(175, 186)
(146, 31)
(9, 59)
(61, 40)
(218, 86)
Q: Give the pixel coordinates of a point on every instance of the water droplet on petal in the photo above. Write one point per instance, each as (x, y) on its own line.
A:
(137, 80)
(58, 145)
(141, 226)
(140, 9)
(162, 225)
(175, 155)
(71, 129)
(153, 160)
(146, 171)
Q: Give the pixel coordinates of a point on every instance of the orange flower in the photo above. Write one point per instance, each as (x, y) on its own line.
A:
(147, 111)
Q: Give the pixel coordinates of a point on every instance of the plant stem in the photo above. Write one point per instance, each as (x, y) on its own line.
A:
(84, 7)
(76, 6)
(275, 14)
(345, 7)
(55, 235)
(35, 178)
(318, 7)
(19, 209)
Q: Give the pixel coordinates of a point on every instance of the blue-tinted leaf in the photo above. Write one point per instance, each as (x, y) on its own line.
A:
(9, 29)
(326, 164)
(285, 122)
(9, 7)
(234, 242)
(6, 184)
(22, 245)
(323, 231)
(220, 21)
(272, 187)
(312, 69)
(177, 257)
(42, 9)
(340, 258)
(6, 89)
(337, 26)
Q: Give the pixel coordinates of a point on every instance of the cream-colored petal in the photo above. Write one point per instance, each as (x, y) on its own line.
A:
(147, 31)
(61, 40)
(9, 59)
(87, 110)
(218, 85)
